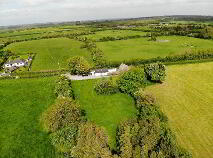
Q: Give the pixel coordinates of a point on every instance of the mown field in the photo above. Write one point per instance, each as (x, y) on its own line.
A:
(114, 33)
(51, 54)
(143, 49)
(187, 99)
(21, 104)
(105, 111)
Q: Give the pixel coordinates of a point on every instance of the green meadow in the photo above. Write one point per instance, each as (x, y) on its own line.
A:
(186, 98)
(142, 48)
(21, 104)
(114, 33)
(106, 111)
(51, 54)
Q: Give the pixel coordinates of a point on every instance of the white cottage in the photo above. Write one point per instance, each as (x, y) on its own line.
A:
(15, 63)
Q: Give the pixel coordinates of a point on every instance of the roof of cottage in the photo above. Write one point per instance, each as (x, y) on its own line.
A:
(15, 61)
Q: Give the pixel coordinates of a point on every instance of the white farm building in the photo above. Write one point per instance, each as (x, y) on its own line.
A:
(103, 72)
(15, 63)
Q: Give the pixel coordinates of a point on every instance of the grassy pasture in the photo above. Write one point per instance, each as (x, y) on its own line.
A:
(143, 49)
(21, 104)
(187, 99)
(52, 54)
(105, 111)
(114, 33)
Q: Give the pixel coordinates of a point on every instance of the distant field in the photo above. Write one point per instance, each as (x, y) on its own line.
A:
(143, 49)
(187, 99)
(114, 33)
(21, 104)
(106, 111)
(52, 54)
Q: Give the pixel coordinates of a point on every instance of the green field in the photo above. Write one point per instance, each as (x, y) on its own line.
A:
(143, 49)
(21, 104)
(187, 99)
(51, 54)
(114, 33)
(105, 111)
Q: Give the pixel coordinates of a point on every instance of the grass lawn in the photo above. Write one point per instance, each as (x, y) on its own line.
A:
(114, 33)
(105, 111)
(143, 49)
(52, 54)
(187, 99)
(21, 104)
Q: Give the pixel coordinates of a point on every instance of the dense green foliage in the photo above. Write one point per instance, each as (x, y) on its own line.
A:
(63, 87)
(129, 82)
(79, 66)
(106, 87)
(65, 112)
(92, 142)
(65, 139)
(155, 72)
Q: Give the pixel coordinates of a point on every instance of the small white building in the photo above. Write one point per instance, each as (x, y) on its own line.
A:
(15, 63)
(103, 72)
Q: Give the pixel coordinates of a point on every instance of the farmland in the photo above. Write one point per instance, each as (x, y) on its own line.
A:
(114, 33)
(141, 48)
(51, 54)
(106, 111)
(21, 104)
(186, 98)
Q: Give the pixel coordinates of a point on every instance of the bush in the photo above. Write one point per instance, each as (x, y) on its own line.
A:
(65, 112)
(65, 139)
(130, 81)
(155, 72)
(63, 87)
(79, 66)
(106, 87)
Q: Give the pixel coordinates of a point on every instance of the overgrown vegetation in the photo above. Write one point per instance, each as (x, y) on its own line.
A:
(106, 87)
(78, 66)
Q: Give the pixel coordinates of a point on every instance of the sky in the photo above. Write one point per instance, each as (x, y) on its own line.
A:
(13, 12)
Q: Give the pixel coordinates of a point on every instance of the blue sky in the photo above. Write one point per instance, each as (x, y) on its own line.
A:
(38, 11)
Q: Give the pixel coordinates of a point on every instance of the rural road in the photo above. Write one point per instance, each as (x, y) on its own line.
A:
(76, 77)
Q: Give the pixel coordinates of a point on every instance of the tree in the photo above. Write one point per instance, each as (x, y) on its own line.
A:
(155, 72)
(91, 143)
(129, 82)
(65, 112)
(78, 66)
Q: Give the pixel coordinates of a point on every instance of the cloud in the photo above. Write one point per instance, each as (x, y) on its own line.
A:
(33, 11)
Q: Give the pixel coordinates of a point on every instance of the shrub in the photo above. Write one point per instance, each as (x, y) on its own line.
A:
(65, 112)
(79, 66)
(155, 72)
(106, 86)
(130, 81)
(63, 87)
(65, 139)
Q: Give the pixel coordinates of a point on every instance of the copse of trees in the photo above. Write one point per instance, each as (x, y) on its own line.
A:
(79, 66)
(65, 112)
